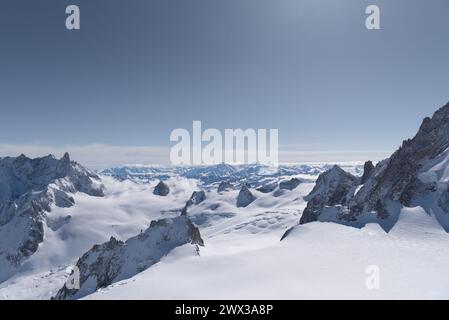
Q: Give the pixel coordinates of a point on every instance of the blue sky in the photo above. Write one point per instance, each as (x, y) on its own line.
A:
(138, 69)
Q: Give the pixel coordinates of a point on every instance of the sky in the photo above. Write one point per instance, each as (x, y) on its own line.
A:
(112, 92)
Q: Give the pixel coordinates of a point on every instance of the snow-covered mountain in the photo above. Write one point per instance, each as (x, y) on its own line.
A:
(28, 190)
(115, 260)
(140, 173)
(128, 208)
(21, 175)
(255, 175)
(316, 261)
(415, 175)
(333, 187)
(133, 231)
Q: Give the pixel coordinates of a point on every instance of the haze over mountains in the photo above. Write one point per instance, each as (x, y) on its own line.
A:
(130, 230)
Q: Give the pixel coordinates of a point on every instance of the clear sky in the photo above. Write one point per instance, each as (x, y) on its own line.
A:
(138, 69)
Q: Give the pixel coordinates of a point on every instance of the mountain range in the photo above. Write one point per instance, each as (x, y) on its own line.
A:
(158, 231)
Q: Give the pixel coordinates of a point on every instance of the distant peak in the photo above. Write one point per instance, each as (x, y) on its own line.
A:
(66, 157)
(21, 157)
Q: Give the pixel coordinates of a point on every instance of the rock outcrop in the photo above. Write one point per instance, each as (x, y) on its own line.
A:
(196, 198)
(224, 186)
(368, 169)
(245, 197)
(116, 260)
(289, 184)
(161, 189)
(333, 187)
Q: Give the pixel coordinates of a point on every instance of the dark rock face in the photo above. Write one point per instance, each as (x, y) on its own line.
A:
(396, 179)
(28, 189)
(161, 189)
(289, 184)
(245, 197)
(26, 218)
(368, 169)
(116, 260)
(267, 188)
(225, 186)
(333, 187)
(196, 198)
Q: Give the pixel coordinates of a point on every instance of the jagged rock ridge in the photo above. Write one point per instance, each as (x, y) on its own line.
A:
(28, 189)
(117, 260)
(412, 172)
(333, 187)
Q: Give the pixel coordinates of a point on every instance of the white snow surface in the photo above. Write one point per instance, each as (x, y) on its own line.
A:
(316, 261)
(243, 257)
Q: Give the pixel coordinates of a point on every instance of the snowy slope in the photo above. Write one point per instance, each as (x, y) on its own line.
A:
(128, 207)
(125, 209)
(243, 256)
(316, 261)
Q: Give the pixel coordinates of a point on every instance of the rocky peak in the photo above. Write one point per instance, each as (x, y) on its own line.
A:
(328, 182)
(333, 187)
(196, 198)
(161, 189)
(64, 164)
(245, 197)
(21, 174)
(368, 168)
(28, 189)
